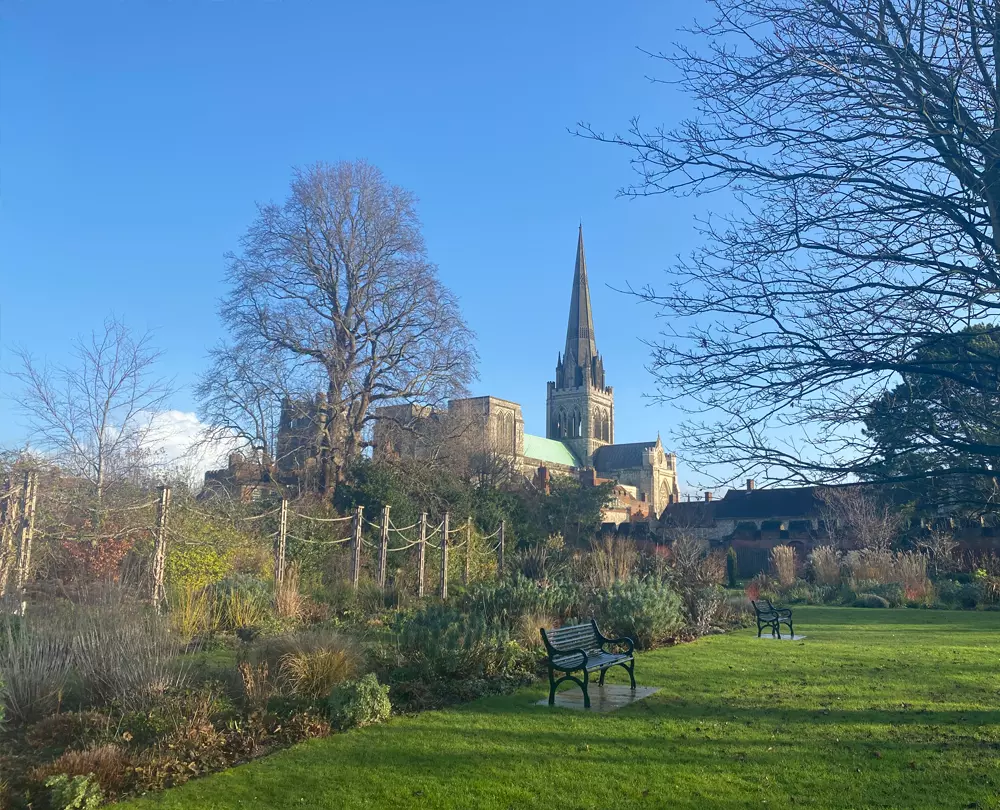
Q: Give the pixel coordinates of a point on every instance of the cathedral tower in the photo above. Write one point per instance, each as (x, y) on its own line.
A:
(580, 408)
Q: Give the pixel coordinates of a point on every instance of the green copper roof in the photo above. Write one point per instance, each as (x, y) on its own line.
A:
(551, 450)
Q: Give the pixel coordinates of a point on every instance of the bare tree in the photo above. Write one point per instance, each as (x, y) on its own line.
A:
(95, 414)
(335, 287)
(858, 517)
(857, 143)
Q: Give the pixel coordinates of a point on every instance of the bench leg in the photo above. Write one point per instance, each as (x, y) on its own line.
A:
(603, 673)
(586, 693)
(760, 628)
(552, 687)
(631, 673)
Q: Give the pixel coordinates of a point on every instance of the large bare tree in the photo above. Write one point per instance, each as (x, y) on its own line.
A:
(854, 146)
(96, 413)
(333, 292)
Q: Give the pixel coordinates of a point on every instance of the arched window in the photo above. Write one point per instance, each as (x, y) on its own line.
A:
(562, 424)
(607, 426)
(577, 424)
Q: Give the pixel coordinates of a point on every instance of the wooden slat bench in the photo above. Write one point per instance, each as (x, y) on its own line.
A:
(582, 648)
(770, 616)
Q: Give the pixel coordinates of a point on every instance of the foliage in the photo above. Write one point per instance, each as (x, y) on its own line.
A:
(647, 611)
(214, 545)
(354, 704)
(696, 575)
(190, 610)
(440, 642)
(732, 568)
(870, 600)
(241, 603)
(287, 598)
(73, 793)
(67, 729)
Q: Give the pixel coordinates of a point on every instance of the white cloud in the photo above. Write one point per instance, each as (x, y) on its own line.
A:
(177, 438)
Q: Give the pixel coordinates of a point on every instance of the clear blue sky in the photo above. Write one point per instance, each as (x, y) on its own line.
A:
(135, 139)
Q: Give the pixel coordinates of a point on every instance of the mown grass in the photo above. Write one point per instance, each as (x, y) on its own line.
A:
(875, 708)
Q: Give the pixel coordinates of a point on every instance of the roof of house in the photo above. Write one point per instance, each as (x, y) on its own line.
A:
(620, 456)
(690, 514)
(782, 502)
(550, 450)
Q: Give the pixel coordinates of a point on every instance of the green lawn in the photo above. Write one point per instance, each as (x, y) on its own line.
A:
(875, 708)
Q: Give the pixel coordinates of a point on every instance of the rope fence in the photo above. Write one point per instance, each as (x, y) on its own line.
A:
(18, 500)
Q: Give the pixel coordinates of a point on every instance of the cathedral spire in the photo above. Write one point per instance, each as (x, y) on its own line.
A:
(581, 348)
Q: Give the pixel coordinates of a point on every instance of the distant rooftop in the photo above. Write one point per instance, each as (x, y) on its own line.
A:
(550, 450)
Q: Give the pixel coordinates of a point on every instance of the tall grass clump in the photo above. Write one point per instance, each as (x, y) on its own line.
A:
(307, 664)
(783, 565)
(241, 603)
(825, 563)
(611, 559)
(125, 655)
(287, 596)
(190, 611)
(36, 662)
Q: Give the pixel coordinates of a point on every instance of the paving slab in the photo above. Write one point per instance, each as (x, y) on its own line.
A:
(603, 699)
(783, 638)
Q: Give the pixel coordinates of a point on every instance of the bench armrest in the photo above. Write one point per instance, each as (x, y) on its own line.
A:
(623, 640)
(783, 611)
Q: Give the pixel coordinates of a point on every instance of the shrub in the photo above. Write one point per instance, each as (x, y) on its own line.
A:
(870, 600)
(783, 564)
(825, 564)
(35, 665)
(106, 766)
(526, 631)
(440, 641)
(68, 729)
(73, 793)
(646, 611)
(732, 568)
(359, 703)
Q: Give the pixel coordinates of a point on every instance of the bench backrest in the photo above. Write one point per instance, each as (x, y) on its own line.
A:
(762, 606)
(575, 637)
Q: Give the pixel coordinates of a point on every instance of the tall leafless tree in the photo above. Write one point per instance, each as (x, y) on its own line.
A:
(335, 289)
(857, 145)
(96, 413)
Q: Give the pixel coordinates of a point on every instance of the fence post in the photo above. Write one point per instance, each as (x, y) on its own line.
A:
(160, 547)
(500, 549)
(468, 551)
(9, 511)
(422, 555)
(26, 532)
(383, 547)
(444, 557)
(356, 550)
(279, 553)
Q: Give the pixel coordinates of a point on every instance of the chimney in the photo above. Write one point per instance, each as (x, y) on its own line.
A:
(750, 485)
(708, 497)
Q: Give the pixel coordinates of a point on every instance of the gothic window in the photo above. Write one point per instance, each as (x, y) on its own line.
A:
(562, 424)
(577, 424)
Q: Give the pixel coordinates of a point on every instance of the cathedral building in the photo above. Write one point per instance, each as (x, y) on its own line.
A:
(579, 429)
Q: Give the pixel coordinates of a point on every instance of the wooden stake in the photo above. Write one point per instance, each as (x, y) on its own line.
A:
(500, 550)
(157, 591)
(444, 557)
(468, 551)
(383, 548)
(422, 555)
(9, 511)
(26, 532)
(356, 549)
(279, 551)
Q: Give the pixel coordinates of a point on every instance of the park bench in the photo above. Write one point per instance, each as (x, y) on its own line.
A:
(582, 648)
(770, 616)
